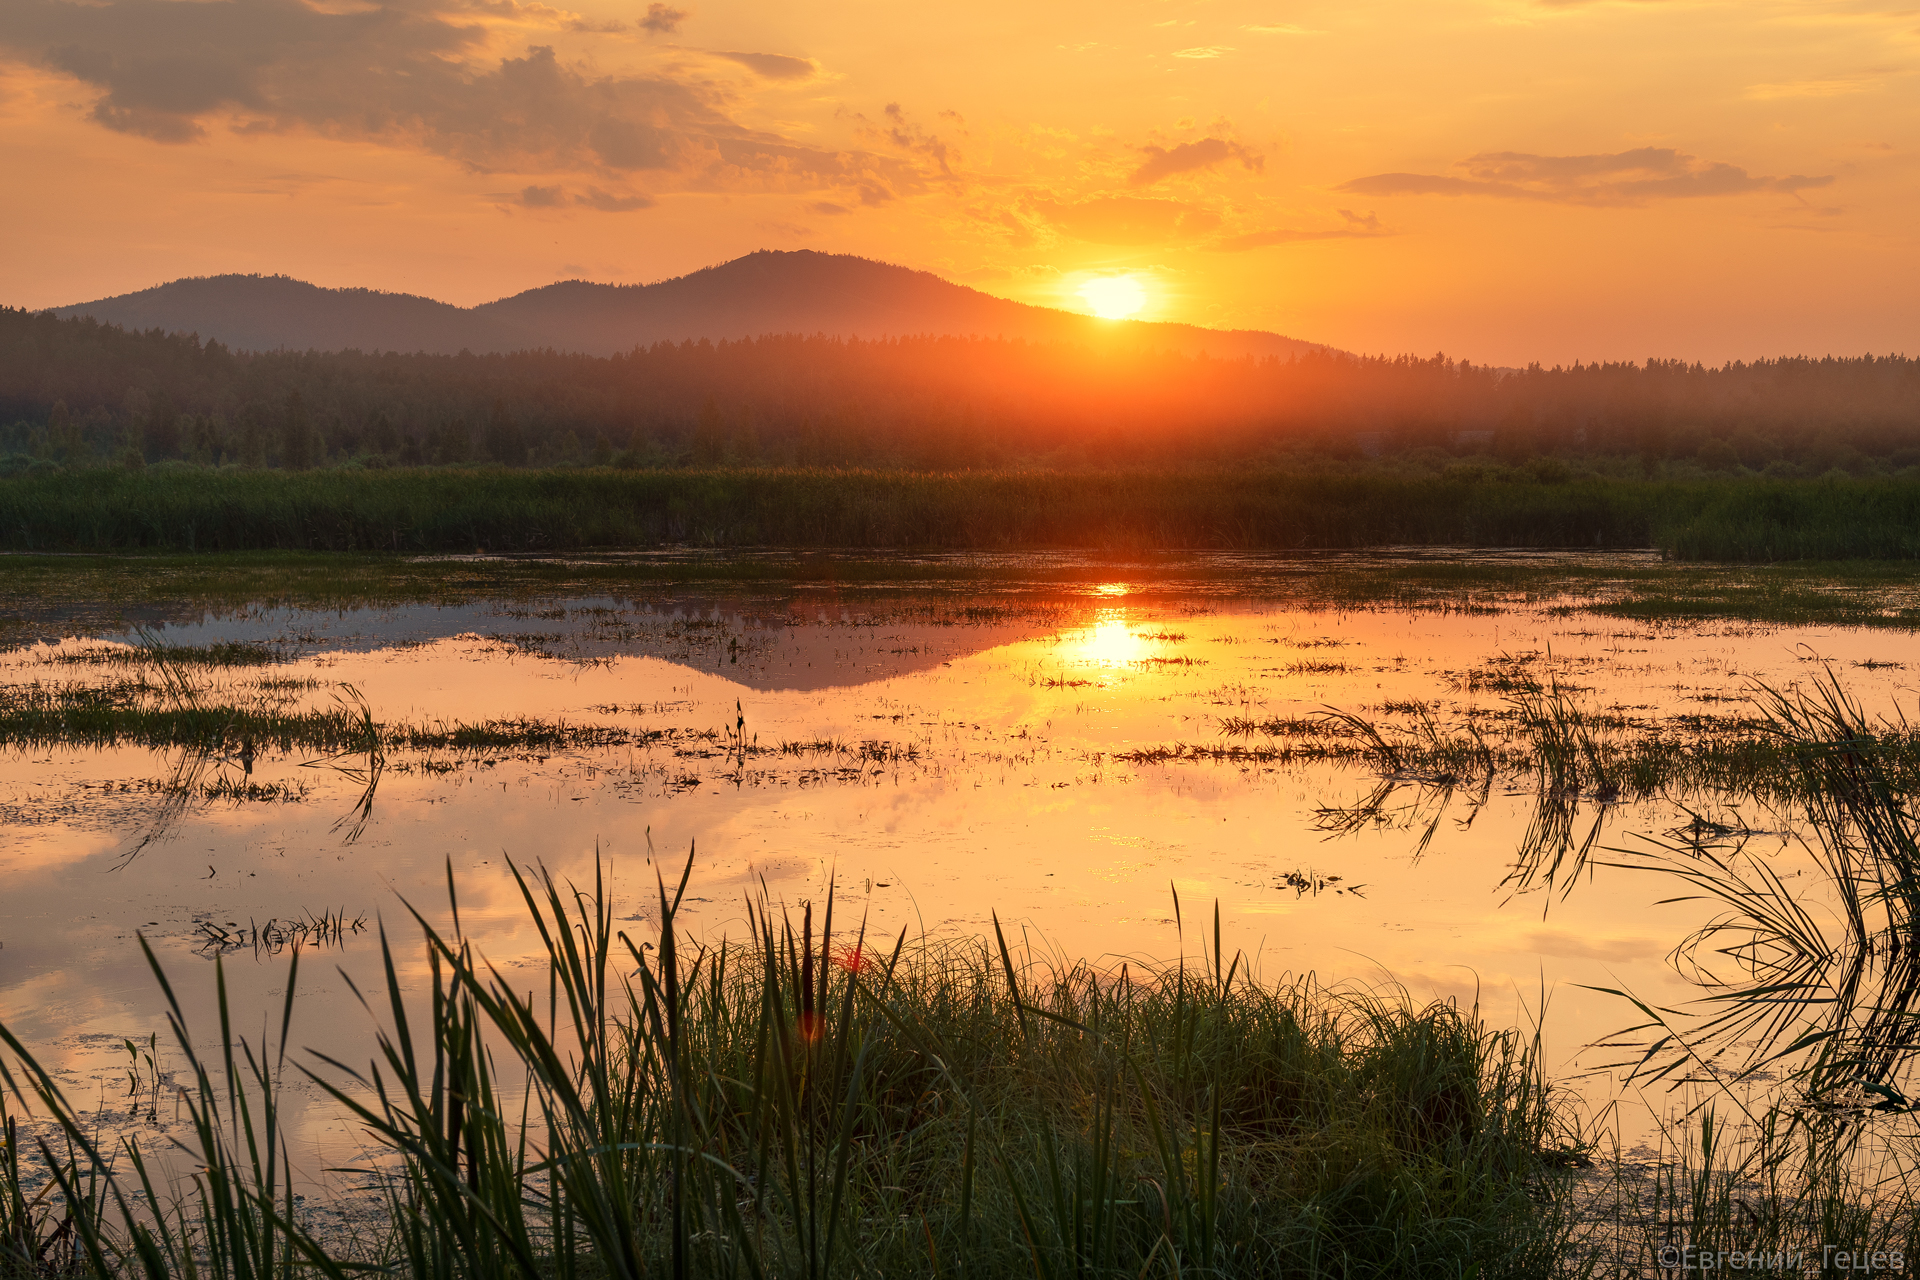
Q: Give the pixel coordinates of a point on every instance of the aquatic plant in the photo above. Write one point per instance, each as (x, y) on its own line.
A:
(406, 510)
(812, 1102)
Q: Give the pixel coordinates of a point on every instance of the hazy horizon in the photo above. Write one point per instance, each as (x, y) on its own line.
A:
(1507, 180)
(471, 308)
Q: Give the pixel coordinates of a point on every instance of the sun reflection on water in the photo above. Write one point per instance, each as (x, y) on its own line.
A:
(1109, 642)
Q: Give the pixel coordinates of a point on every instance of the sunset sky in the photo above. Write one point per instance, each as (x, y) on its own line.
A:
(1505, 180)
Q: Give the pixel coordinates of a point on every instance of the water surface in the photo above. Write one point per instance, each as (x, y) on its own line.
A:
(938, 755)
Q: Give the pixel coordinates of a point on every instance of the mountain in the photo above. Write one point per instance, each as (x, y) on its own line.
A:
(765, 292)
(266, 313)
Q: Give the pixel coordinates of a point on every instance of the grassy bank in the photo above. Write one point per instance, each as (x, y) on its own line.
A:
(815, 1103)
(438, 510)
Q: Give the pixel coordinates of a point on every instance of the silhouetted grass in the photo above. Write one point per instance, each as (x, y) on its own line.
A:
(133, 713)
(807, 1103)
(441, 510)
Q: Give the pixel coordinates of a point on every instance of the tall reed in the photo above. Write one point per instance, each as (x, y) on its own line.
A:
(808, 1103)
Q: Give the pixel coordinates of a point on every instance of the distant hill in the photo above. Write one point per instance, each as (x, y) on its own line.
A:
(766, 292)
(267, 313)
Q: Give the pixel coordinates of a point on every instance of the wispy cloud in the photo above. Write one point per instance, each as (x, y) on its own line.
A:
(556, 197)
(1358, 227)
(774, 66)
(1622, 178)
(1165, 162)
(611, 202)
(1204, 51)
(663, 20)
(1128, 219)
(1832, 88)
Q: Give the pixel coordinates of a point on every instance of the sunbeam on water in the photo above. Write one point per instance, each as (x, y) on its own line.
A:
(1436, 798)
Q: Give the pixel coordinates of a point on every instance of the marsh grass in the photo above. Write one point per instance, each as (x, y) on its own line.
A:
(1802, 752)
(1792, 1068)
(813, 1102)
(415, 511)
(1760, 1195)
(1829, 985)
(420, 510)
(227, 654)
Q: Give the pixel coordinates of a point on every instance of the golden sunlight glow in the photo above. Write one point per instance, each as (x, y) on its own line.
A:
(1108, 643)
(1114, 297)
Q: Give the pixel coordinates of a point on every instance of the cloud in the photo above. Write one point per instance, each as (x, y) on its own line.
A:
(1623, 178)
(1281, 29)
(1128, 219)
(1357, 228)
(542, 197)
(663, 20)
(827, 208)
(774, 66)
(1204, 51)
(608, 202)
(1809, 88)
(900, 133)
(1163, 162)
(426, 75)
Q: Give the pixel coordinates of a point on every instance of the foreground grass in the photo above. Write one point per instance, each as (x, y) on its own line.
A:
(434, 510)
(811, 1104)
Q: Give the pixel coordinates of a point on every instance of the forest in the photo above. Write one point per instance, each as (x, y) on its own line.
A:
(79, 394)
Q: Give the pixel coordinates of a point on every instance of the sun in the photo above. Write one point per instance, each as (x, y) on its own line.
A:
(1114, 297)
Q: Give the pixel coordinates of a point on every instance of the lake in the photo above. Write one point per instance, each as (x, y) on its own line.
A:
(1105, 755)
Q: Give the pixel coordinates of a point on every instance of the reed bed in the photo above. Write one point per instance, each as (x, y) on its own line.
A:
(1794, 1065)
(1548, 731)
(810, 1103)
(463, 510)
(142, 713)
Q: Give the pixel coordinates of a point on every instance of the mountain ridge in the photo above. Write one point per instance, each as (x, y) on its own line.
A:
(768, 291)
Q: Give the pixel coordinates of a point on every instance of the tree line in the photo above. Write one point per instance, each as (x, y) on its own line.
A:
(76, 393)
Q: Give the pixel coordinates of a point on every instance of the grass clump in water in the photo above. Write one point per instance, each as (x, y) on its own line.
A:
(806, 1104)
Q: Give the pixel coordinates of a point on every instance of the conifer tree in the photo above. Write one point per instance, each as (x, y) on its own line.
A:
(253, 435)
(162, 436)
(296, 435)
(383, 436)
(65, 443)
(709, 437)
(503, 441)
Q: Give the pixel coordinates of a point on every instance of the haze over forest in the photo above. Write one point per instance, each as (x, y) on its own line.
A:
(807, 359)
(768, 292)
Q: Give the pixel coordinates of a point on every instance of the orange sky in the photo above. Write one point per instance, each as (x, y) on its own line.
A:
(1508, 180)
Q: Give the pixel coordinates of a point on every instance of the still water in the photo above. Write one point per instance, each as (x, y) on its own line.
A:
(938, 755)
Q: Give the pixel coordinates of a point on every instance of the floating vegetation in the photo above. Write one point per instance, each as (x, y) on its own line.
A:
(227, 654)
(1311, 884)
(1317, 668)
(325, 929)
(85, 716)
(248, 791)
